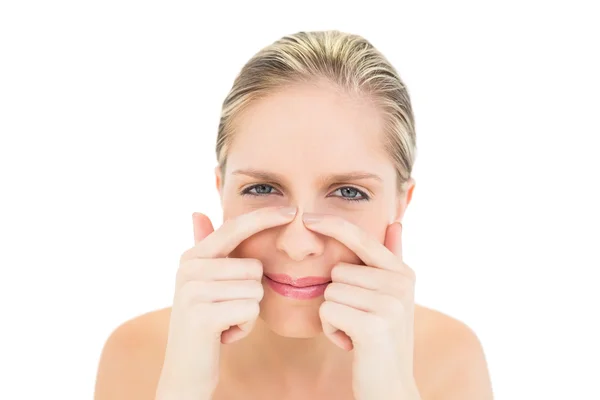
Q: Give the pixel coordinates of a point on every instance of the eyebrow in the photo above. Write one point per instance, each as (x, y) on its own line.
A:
(273, 176)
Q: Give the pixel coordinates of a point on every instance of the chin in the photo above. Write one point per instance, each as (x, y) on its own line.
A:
(291, 318)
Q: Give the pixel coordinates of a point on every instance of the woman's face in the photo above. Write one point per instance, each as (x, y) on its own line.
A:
(302, 140)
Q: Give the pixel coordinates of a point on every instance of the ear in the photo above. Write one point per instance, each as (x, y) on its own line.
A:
(219, 182)
(218, 179)
(403, 201)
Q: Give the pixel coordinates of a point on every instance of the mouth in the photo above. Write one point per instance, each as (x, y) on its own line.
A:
(303, 288)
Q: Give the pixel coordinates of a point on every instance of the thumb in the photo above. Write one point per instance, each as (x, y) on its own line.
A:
(393, 238)
(202, 226)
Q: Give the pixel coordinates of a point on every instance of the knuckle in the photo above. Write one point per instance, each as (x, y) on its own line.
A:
(260, 290)
(396, 286)
(253, 289)
(337, 271)
(326, 308)
(193, 252)
(190, 270)
(392, 287)
(331, 290)
(185, 256)
(408, 271)
(183, 273)
(255, 267)
(395, 307)
(253, 308)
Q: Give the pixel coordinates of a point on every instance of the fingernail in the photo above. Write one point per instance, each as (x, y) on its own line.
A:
(288, 211)
(311, 217)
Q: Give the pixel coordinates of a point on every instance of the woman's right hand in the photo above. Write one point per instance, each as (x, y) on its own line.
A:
(216, 301)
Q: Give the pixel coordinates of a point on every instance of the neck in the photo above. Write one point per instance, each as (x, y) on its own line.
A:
(289, 360)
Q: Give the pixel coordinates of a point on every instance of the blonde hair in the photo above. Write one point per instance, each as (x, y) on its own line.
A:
(348, 61)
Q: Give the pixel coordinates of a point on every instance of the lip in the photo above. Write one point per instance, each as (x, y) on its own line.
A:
(303, 288)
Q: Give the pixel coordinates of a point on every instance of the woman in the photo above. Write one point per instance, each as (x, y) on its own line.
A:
(302, 292)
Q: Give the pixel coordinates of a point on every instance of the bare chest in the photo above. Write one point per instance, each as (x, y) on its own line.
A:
(230, 391)
(264, 386)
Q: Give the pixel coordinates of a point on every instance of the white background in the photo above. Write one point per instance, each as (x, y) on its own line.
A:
(108, 118)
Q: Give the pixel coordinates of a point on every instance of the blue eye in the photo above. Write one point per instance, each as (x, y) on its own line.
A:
(352, 194)
(261, 190)
(348, 193)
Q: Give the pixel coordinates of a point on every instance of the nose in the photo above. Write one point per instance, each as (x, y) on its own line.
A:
(297, 241)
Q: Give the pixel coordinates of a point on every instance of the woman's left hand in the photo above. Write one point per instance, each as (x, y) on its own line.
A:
(370, 309)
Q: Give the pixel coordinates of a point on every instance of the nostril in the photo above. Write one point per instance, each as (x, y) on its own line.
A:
(298, 242)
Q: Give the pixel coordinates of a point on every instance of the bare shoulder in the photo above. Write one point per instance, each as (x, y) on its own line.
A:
(132, 358)
(450, 361)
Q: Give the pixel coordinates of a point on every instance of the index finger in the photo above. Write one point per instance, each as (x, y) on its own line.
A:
(221, 242)
(366, 247)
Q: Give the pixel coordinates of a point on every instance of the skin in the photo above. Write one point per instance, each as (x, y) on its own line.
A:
(296, 137)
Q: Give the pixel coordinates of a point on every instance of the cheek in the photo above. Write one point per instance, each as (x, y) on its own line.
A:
(233, 208)
(373, 222)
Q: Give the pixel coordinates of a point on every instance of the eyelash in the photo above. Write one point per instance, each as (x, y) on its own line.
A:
(365, 197)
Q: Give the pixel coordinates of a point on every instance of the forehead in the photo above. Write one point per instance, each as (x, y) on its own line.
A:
(313, 126)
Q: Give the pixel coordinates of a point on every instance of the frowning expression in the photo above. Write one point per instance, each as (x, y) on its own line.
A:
(318, 149)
